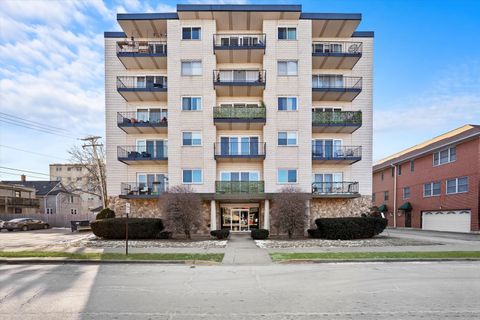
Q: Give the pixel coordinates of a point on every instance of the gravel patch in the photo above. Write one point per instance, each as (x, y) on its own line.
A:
(309, 243)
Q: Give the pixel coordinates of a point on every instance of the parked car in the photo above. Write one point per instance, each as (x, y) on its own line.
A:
(25, 224)
(1, 225)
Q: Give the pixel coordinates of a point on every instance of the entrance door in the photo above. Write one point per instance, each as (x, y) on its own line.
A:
(240, 219)
(408, 219)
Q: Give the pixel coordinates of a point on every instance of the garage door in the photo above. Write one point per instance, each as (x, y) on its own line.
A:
(455, 220)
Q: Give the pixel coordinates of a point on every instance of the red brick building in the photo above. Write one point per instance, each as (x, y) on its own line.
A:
(434, 185)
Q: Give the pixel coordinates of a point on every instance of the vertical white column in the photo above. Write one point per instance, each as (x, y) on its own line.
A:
(213, 215)
(266, 215)
(307, 216)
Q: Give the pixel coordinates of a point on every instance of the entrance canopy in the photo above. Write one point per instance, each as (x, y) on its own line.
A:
(406, 206)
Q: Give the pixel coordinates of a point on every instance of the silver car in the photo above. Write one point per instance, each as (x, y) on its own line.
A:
(25, 224)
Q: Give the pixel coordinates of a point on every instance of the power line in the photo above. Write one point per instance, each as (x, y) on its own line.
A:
(16, 174)
(37, 129)
(27, 151)
(3, 114)
(34, 172)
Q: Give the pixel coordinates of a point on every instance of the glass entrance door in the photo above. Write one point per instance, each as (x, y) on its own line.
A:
(239, 219)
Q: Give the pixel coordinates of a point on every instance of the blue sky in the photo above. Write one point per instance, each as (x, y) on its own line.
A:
(426, 71)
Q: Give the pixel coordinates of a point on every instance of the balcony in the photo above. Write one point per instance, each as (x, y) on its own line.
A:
(143, 122)
(143, 190)
(238, 150)
(142, 54)
(142, 155)
(335, 55)
(336, 155)
(336, 121)
(244, 83)
(335, 88)
(239, 118)
(239, 48)
(239, 187)
(19, 202)
(341, 189)
(144, 88)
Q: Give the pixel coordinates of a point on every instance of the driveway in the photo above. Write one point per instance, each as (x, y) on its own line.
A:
(38, 239)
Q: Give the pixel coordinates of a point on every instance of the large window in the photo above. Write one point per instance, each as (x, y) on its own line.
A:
(192, 176)
(191, 103)
(327, 148)
(192, 68)
(154, 148)
(151, 82)
(238, 145)
(239, 176)
(287, 68)
(151, 183)
(457, 185)
(153, 115)
(327, 182)
(406, 192)
(287, 33)
(444, 156)
(287, 138)
(431, 189)
(287, 103)
(287, 176)
(192, 138)
(327, 81)
(191, 33)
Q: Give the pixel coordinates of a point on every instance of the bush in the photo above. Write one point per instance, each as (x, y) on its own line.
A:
(220, 234)
(314, 233)
(164, 235)
(138, 228)
(349, 228)
(105, 214)
(260, 234)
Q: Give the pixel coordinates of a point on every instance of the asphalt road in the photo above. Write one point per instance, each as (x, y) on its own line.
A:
(449, 290)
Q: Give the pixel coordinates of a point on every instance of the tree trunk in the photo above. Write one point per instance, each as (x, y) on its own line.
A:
(187, 234)
(290, 234)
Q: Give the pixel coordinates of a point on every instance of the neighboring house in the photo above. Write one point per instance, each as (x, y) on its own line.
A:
(433, 185)
(17, 200)
(76, 178)
(246, 100)
(57, 205)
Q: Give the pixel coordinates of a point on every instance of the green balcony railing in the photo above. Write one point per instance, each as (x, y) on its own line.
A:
(337, 118)
(231, 187)
(239, 113)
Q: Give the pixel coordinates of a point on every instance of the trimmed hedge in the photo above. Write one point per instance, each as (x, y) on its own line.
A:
(138, 228)
(105, 214)
(348, 228)
(259, 234)
(220, 234)
(163, 234)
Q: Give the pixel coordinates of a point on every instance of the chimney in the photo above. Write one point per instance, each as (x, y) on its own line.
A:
(23, 178)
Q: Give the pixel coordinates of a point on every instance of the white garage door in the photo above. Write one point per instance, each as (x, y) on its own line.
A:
(455, 221)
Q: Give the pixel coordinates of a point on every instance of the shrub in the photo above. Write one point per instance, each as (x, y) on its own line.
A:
(220, 234)
(105, 214)
(164, 235)
(138, 228)
(314, 233)
(349, 228)
(260, 234)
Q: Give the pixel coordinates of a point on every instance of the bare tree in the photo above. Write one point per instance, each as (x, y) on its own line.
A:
(182, 208)
(289, 210)
(93, 160)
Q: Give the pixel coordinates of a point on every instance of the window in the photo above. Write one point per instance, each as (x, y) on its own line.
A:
(287, 176)
(156, 149)
(191, 103)
(406, 192)
(17, 194)
(382, 176)
(192, 138)
(70, 199)
(191, 33)
(287, 138)
(457, 185)
(73, 211)
(154, 115)
(49, 210)
(58, 169)
(79, 169)
(285, 33)
(151, 183)
(327, 148)
(327, 182)
(444, 156)
(431, 189)
(79, 178)
(239, 176)
(240, 145)
(385, 195)
(287, 68)
(69, 169)
(192, 176)
(412, 166)
(192, 68)
(393, 172)
(327, 81)
(151, 82)
(399, 169)
(287, 103)
(18, 210)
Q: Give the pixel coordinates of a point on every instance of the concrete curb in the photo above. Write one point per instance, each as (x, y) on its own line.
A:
(298, 261)
(97, 262)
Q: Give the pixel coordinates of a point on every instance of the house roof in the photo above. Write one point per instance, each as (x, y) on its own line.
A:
(42, 187)
(462, 134)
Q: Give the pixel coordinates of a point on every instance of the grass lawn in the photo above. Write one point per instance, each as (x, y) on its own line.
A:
(374, 255)
(216, 257)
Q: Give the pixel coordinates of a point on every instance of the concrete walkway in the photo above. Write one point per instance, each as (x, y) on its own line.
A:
(241, 250)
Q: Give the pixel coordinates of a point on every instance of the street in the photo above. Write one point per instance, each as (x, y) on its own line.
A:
(309, 291)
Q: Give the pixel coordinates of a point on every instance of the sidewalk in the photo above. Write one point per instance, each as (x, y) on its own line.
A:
(241, 250)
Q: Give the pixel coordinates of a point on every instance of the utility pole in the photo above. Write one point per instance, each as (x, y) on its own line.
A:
(93, 140)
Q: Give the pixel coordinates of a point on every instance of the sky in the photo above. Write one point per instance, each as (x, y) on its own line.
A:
(426, 71)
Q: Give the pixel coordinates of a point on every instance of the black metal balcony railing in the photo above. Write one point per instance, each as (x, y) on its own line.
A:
(153, 118)
(239, 149)
(132, 153)
(239, 112)
(335, 188)
(336, 48)
(142, 48)
(148, 82)
(239, 77)
(239, 41)
(336, 82)
(332, 118)
(239, 187)
(154, 188)
(20, 202)
(338, 152)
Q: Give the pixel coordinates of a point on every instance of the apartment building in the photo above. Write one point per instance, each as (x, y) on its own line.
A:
(17, 200)
(239, 101)
(433, 185)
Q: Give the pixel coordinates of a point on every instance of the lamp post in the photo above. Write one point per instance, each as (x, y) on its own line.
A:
(127, 211)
